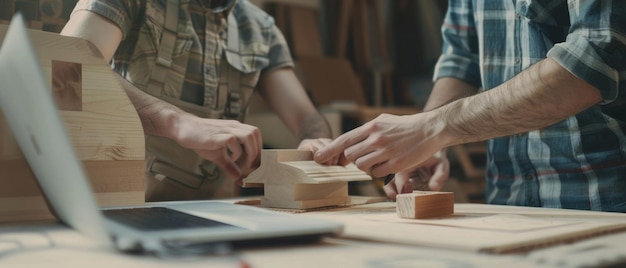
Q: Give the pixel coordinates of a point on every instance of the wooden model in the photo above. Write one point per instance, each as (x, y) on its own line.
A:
(103, 125)
(425, 204)
(291, 179)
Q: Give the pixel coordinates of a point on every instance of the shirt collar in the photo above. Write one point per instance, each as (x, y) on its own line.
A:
(219, 6)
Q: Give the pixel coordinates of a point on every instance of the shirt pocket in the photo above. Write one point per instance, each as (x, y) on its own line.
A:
(551, 18)
(250, 59)
(184, 37)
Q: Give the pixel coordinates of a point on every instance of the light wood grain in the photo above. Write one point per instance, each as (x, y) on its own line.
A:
(425, 204)
(291, 179)
(105, 131)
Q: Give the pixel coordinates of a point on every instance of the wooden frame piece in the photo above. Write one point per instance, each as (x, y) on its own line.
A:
(291, 179)
(103, 126)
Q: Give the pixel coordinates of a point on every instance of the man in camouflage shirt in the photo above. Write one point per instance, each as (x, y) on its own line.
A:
(190, 67)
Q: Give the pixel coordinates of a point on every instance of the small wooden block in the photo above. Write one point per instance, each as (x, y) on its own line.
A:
(425, 204)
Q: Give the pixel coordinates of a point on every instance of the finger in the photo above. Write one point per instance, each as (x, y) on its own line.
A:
(308, 144)
(440, 176)
(259, 148)
(334, 161)
(420, 179)
(343, 160)
(402, 183)
(252, 147)
(390, 190)
(338, 146)
(381, 169)
(230, 169)
(234, 149)
(364, 156)
(321, 143)
(223, 161)
(313, 147)
(376, 162)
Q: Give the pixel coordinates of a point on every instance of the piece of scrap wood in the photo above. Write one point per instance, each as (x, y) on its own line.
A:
(425, 204)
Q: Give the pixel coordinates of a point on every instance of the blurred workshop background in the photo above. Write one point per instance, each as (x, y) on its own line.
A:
(356, 58)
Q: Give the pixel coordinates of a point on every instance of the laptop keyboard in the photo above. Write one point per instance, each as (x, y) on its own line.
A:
(159, 219)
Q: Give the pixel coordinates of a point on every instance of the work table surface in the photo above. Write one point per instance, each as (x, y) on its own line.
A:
(368, 241)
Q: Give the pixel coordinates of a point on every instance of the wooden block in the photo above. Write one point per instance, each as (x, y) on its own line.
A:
(303, 191)
(305, 204)
(425, 204)
(291, 179)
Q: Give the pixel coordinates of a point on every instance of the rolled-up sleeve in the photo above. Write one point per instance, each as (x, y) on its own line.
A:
(279, 54)
(595, 48)
(459, 56)
(117, 11)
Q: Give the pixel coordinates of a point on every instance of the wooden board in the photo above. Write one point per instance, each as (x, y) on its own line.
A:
(103, 125)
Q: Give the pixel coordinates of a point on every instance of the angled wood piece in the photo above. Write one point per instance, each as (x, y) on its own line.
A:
(425, 204)
(102, 123)
(292, 179)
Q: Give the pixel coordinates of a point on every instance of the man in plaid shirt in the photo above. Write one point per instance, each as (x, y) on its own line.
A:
(190, 67)
(544, 81)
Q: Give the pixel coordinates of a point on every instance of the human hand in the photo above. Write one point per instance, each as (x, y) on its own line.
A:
(315, 145)
(233, 146)
(387, 144)
(432, 175)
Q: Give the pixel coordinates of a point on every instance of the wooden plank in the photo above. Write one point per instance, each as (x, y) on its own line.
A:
(102, 123)
(305, 32)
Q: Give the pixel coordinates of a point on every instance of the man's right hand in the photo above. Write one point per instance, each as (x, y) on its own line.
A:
(431, 175)
(231, 145)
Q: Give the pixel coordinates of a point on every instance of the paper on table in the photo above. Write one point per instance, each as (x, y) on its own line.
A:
(498, 222)
(379, 222)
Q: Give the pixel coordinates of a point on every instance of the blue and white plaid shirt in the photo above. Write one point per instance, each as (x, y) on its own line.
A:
(578, 163)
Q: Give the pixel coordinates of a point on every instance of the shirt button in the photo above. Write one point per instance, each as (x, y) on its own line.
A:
(517, 60)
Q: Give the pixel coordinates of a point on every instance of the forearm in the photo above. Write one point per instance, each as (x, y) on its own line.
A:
(446, 90)
(542, 95)
(157, 116)
(314, 126)
(283, 92)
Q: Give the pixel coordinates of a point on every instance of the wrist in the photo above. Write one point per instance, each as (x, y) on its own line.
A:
(439, 129)
(174, 123)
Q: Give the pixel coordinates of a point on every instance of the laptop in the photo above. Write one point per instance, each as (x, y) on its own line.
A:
(165, 227)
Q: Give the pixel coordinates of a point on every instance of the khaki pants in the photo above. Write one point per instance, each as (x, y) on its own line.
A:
(160, 188)
(185, 177)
